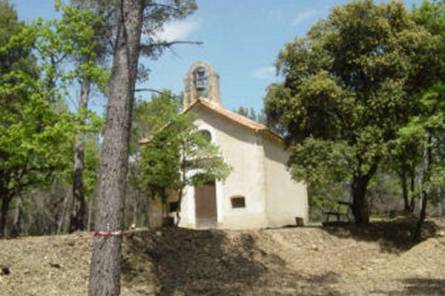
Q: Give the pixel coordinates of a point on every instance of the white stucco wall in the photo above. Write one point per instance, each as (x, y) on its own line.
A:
(259, 174)
(240, 150)
(286, 199)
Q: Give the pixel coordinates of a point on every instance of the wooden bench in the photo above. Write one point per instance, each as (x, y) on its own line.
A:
(339, 214)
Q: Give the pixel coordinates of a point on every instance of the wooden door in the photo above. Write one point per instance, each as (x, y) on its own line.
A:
(205, 206)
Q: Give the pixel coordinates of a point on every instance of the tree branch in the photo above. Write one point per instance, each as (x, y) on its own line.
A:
(176, 9)
(149, 49)
(170, 43)
(173, 97)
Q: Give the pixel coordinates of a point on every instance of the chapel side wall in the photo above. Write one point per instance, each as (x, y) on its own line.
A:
(286, 198)
(242, 150)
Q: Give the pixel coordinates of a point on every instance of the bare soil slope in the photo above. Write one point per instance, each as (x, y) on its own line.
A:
(378, 260)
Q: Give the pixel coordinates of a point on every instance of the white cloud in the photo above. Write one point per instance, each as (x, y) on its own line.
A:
(178, 30)
(304, 16)
(264, 73)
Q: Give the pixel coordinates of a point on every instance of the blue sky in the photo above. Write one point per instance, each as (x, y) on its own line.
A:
(241, 41)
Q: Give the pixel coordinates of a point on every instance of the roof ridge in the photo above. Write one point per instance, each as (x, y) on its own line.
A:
(235, 114)
(238, 118)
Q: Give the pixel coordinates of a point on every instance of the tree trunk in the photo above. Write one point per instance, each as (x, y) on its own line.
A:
(106, 258)
(3, 216)
(78, 207)
(404, 185)
(413, 188)
(359, 187)
(135, 208)
(147, 211)
(90, 214)
(178, 210)
(423, 200)
(440, 205)
(4, 197)
(424, 176)
(360, 206)
(16, 228)
(61, 228)
(6, 200)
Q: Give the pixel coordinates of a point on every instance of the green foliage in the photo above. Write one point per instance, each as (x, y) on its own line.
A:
(34, 137)
(177, 154)
(431, 15)
(323, 165)
(251, 114)
(71, 39)
(150, 116)
(430, 123)
(349, 86)
(13, 58)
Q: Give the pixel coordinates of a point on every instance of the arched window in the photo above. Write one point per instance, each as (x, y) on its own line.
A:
(238, 202)
(206, 134)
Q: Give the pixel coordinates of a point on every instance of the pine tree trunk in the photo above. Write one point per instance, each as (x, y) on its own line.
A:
(78, 207)
(106, 258)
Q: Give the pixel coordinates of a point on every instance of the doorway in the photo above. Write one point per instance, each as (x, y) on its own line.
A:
(205, 206)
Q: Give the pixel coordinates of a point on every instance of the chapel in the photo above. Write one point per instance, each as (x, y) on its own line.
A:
(259, 192)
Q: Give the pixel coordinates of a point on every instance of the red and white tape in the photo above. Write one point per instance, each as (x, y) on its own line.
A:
(106, 234)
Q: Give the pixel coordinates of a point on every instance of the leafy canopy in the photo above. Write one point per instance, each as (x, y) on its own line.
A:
(349, 86)
(34, 136)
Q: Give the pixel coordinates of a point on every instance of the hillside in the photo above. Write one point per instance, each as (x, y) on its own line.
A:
(289, 261)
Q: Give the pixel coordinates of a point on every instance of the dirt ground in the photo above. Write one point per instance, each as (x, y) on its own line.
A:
(378, 260)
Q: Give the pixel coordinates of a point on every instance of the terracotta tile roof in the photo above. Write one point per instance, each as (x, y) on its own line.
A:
(232, 116)
(235, 117)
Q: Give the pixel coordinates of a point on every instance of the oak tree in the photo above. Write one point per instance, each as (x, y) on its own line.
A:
(348, 88)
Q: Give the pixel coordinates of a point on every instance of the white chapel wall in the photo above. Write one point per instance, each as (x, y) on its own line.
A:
(241, 151)
(286, 199)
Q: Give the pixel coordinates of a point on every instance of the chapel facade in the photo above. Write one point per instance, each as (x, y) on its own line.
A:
(259, 192)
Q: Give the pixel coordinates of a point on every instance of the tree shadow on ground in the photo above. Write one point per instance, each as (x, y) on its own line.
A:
(208, 262)
(424, 286)
(418, 286)
(393, 236)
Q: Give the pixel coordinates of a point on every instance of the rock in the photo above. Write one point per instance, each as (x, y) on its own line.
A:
(55, 265)
(441, 233)
(4, 270)
(315, 248)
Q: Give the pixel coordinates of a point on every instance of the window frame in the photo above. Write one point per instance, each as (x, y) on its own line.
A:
(238, 202)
